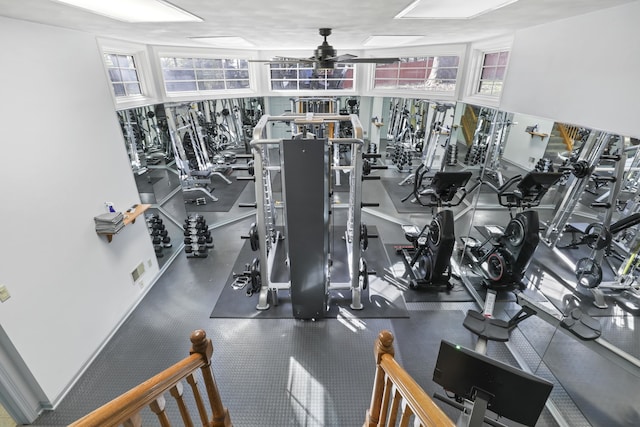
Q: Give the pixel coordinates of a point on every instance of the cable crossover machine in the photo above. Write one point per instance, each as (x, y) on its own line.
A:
(309, 237)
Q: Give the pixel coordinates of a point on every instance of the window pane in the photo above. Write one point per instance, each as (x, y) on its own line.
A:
(449, 61)
(485, 88)
(114, 75)
(237, 84)
(179, 74)
(118, 89)
(504, 57)
(500, 73)
(168, 62)
(236, 74)
(129, 75)
(231, 63)
(133, 89)
(211, 85)
(209, 74)
(180, 86)
(207, 63)
(111, 60)
(126, 61)
(488, 73)
(491, 59)
(184, 62)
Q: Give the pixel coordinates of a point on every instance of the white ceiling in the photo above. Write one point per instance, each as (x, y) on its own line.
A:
(293, 24)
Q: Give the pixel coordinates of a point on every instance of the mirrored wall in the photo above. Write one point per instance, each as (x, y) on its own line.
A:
(548, 204)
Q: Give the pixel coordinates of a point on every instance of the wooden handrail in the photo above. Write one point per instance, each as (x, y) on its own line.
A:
(568, 134)
(392, 378)
(125, 409)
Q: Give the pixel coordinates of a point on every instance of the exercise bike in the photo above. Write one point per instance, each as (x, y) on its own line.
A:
(502, 259)
(428, 260)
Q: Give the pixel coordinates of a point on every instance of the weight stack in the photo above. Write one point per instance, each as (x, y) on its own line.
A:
(305, 177)
(452, 155)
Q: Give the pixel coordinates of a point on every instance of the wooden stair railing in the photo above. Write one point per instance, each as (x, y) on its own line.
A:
(569, 134)
(469, 121)
(395, 393)
(125, 409)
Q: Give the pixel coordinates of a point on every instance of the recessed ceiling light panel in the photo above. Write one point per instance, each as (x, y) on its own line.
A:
(450, 9)
(390, 41)
(225, 41)
(135, 10)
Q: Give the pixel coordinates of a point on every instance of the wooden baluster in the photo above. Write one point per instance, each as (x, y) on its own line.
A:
(157, 406)
(386, 403)
(135, 421)
(407, 413)
(395, 404)
(204, 347)
(177, 391)
(383, 345)
(204, 417)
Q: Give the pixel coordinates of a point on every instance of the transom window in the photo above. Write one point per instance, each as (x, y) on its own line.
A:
(494, 66)
(123, 75)
(431, 73)
(204, 74)
(304, 77)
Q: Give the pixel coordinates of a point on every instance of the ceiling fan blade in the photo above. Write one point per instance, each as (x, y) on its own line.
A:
(342, 58)
(282, 60)
(371, 60)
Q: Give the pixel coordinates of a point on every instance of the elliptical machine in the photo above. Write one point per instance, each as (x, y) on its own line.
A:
(504, 256)
(428, 261)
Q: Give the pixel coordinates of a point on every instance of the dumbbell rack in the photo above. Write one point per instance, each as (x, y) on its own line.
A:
(197, 237)
(159, 235)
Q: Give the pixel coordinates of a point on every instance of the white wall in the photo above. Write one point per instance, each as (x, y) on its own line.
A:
(521, 146)
(582, 71)
(63, 157)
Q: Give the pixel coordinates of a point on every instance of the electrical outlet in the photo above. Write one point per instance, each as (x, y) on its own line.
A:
(141, 284)
(4, 293)
(149, 263)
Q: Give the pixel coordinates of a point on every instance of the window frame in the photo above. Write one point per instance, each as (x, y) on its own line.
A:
(299, 79)
(144, 71)
(472, 94)
(124, 82)
(202, 93)
(418, 58)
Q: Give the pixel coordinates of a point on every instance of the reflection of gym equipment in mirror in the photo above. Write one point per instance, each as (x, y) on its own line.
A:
(503, 257)
(146, 136)
(428, 262)
(198, 142)
(485, 384)
(304, 166)
(611, 245)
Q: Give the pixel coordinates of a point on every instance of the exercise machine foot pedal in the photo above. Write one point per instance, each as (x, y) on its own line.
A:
(485, 327)
(582, 325)
(495, 329)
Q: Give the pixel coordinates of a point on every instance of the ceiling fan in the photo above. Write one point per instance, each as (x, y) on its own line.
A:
(325, 57)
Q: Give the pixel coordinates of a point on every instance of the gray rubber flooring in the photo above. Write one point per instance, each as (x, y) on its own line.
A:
(287, 372)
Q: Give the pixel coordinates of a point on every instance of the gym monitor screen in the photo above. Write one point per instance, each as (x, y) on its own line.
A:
(513, 393)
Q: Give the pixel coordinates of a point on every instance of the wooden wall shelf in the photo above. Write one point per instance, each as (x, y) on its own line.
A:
(541, 135)
(129, 218)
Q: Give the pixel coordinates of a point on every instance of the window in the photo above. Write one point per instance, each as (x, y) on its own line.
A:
(304, 77)
(204, 74)
(492, 73)
(431, 73)
(123, 74)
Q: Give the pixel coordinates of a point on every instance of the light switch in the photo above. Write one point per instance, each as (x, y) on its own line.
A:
(4, 293)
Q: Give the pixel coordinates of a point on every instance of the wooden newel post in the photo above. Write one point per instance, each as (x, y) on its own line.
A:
(202, 345)
(383, 345)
